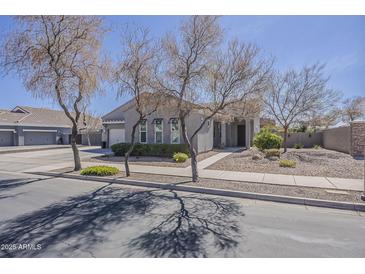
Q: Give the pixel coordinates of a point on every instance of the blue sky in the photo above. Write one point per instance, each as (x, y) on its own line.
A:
(294, 41)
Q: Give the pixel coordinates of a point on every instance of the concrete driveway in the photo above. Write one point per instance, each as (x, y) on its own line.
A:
(53, 217)
(23, 161)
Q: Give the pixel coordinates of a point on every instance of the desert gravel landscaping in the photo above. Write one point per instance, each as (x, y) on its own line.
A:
(309, 162)
(151, 161)
(295, 191)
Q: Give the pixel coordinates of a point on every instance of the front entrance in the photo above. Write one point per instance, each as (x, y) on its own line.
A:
(241, 135)
(217, 134)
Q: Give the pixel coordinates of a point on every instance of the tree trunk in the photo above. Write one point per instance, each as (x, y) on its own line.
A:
(194, 166)
(194, 162)
(75, 150)
(128, 153)
(285, 139)
(88, 139)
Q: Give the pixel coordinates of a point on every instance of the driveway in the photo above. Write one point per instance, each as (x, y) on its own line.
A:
(73, 218)
(22, 161)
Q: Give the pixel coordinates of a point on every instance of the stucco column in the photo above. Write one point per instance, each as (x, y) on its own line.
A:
(223, 134)
(256, 125)
(20, 136)
(248, 133)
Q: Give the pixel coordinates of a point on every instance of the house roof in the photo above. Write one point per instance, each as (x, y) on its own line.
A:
(25, 115)
(249, 108)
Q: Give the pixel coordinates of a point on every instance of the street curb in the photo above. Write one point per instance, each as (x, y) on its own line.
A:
(215, 191)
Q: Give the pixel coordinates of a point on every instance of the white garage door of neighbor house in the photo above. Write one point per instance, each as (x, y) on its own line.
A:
(116, 135)
(39, 138)
(6, 138)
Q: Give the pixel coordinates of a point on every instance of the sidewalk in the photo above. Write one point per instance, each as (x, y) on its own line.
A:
(264, 178)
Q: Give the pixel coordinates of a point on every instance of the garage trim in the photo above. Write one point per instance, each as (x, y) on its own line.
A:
(11, 130)
(40, 130)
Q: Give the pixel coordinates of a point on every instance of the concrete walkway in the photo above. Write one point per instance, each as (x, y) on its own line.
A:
(253, 177)
(215, 158)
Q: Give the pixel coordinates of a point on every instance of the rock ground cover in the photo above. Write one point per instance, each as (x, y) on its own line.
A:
(309, 162)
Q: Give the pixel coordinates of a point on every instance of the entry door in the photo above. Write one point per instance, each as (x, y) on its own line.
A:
(116, 135)
(241, 135)
(217, 134)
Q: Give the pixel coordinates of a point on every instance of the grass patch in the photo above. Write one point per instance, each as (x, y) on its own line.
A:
(100, 171)
(287, 163)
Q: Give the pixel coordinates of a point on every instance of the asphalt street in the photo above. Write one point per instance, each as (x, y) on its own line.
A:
(54, 217)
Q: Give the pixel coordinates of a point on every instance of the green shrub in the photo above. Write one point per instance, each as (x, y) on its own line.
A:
(265, 139)
(161, 150)
(273, 152)
(317, 147)
(100, 171)
(180, 157)
(287, 163)
(298, 146)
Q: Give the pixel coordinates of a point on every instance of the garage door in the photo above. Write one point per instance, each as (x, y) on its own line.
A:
(116, 135)
(39, 138)
(6, 138)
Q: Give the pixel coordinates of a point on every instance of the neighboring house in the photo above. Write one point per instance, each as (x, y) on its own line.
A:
(163, 127)
(24, 126)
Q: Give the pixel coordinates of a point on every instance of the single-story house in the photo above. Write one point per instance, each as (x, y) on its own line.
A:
(163, 127)
(25, 125)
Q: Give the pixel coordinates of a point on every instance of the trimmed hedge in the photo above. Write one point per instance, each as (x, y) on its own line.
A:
(160, 150)
(100, 171)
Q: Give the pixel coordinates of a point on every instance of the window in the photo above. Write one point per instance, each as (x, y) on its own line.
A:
(175, 131)
(158, 131)
(143, 132)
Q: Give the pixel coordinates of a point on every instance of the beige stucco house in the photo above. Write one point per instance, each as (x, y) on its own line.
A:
(163, 127)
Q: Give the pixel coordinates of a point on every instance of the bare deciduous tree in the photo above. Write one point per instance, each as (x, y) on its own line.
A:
(295, 96)
(203, 78)
(186, 60)
(325, 120)
(57, 57)
(135, 76)
(353, 108)
(91, 123)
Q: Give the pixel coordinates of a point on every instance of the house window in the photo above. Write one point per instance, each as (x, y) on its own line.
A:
(143, 132)
(175, 131)
(158, 131)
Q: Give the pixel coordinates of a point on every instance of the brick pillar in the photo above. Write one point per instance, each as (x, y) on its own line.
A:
(357, 138)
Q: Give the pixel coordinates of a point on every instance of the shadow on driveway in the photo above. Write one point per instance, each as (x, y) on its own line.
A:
(9, 184)
(181, 224)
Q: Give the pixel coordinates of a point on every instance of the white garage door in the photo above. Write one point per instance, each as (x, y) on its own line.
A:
(39, 138)
(6, 138)
(116, 135)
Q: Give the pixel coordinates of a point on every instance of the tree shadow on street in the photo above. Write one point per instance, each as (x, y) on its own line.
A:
(185, 229)
(82, 223)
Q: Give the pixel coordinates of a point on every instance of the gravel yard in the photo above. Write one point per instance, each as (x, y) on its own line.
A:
(309, 162)
(151, 161)
(308, 192)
